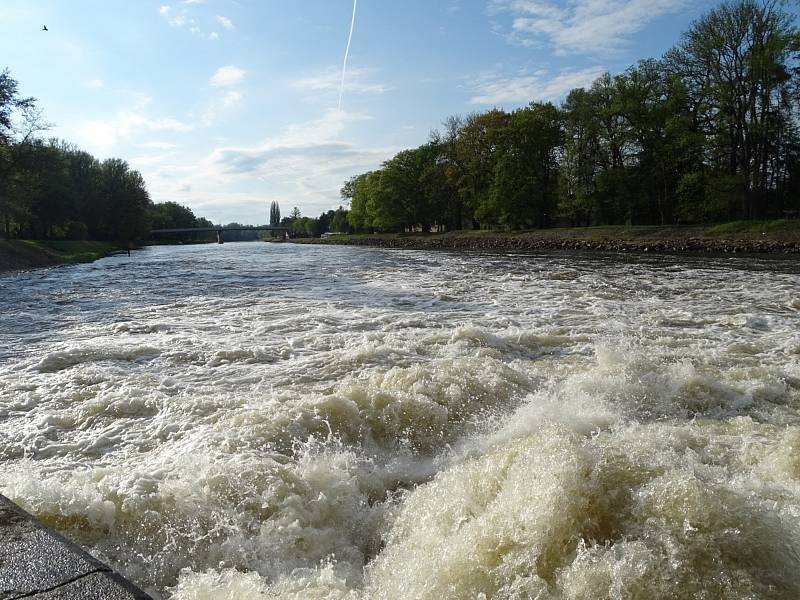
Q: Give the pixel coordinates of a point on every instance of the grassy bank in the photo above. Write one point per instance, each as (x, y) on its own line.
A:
(28, 254)
(781, 236)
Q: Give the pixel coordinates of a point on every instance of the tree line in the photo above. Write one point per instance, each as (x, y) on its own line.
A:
(50, 189)
(299, 226)
(707, 133)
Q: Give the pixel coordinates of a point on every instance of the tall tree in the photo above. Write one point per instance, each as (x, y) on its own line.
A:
(476, 151)
(737, 62)
(525, 183)
(274, 214)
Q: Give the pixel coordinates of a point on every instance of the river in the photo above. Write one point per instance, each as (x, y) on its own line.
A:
(285, 421)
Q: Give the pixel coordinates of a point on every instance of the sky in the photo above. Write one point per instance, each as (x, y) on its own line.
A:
(227, 105)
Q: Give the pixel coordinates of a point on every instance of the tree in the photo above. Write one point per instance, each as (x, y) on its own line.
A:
(12, 104)
(737, 64)
(20, 120)
(126, 201)
(709, 132)
(525, 184)
(476, 152)
(362, 190)
(401, 202)
(339, 223)
(580, 157)
(274, 214)
(171, 215)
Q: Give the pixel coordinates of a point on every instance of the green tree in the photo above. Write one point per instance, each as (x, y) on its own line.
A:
(126, 201)
(737, 63)
(20, 119)
(274, 214)
(171, 215)
(476, 151)
(339, 223)
(525, 185)
(580, 159)
(363, 190)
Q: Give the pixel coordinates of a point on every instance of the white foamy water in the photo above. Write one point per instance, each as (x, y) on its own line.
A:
(276, 421)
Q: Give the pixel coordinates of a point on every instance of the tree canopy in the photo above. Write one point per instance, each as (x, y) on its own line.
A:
(707, 133)
(52, 189)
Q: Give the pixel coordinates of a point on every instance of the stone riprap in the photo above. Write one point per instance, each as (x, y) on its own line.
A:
(522, 242)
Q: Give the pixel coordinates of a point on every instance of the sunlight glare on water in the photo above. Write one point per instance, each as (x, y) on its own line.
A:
(285, 421)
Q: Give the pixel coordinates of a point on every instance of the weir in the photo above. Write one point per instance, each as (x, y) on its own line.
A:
(36, 562)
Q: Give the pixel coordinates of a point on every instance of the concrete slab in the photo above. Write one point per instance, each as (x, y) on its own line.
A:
(95, 586)
(38, 563)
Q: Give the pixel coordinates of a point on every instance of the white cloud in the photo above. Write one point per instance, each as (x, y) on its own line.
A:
(156, 145)
(590, 27)
(184, 14)
(176, 17)
(224, 22)
(228, 101)
(227, 76)
(496, 89)
(103, 134)
(306, 163)
(303, 165)
(149, 160)
(329, 79)
(297, 138)
(95, 84)
(231, 98)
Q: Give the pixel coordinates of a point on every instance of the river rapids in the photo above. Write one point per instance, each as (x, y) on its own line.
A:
(281, 421)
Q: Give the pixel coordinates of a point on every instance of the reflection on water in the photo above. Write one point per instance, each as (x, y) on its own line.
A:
(281, 421)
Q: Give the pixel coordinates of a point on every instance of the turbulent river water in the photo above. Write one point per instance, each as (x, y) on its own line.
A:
(283, 421)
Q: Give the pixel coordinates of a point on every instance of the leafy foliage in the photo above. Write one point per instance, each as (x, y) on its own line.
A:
(707, 133)
(53, 190)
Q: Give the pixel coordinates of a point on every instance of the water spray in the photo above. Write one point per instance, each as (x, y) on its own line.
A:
(347, 53)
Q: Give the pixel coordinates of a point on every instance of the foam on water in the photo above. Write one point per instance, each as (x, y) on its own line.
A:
(264, 421)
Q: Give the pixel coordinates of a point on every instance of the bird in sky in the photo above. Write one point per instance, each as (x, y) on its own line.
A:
(44, 28)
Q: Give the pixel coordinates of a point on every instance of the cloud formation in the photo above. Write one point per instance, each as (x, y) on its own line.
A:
(497, 89)
(224, 22)
(188, 14)
(221, 104)
(307, 162)
(589, 27)
(101, 135)
(176, 16)
(328, 80)
(227, 76)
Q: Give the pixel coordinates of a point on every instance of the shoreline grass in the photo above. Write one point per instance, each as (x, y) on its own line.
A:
(30, 254)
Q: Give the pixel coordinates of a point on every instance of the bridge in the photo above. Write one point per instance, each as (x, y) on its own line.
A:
(220, 230)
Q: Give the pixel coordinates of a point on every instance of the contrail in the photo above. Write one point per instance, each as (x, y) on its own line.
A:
(347, 53)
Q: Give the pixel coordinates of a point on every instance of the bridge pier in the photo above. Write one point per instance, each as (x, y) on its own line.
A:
(220, 237)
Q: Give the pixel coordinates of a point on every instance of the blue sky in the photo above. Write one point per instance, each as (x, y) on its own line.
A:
(227, 105)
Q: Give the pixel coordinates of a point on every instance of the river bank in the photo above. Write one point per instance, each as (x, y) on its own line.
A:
(772, 237)
(21, 255)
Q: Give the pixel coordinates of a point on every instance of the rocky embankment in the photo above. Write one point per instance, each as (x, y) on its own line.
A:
(522, 242)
